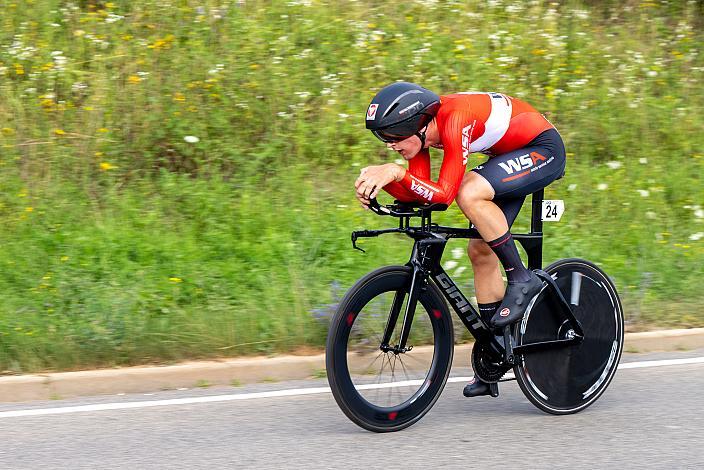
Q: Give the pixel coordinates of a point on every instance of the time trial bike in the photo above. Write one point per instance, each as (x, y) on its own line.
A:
(391, 341)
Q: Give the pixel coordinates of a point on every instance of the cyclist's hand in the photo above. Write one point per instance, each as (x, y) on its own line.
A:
(373, 178)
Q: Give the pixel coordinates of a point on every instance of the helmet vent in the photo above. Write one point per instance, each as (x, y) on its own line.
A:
(393, 106)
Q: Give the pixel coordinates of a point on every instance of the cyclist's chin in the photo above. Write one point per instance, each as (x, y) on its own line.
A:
(407, 154)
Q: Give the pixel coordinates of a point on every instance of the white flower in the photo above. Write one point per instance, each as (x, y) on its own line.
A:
(643, 192)
(614, 165)
(643, 161)
(652, 73)
(191, 139)
(651, 215)
(602, 186)
(450, 264)
(696, 236)
(699, 213)
(571, 187)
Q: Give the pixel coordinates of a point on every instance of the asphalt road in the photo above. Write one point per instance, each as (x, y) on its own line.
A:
(649, 418)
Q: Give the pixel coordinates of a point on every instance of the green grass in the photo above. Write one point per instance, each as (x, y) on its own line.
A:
(124, 243)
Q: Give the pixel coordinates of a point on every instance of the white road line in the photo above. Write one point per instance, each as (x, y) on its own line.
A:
(278, 393)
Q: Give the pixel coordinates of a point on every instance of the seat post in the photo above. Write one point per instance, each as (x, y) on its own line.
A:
(536, 220)
(535, 250)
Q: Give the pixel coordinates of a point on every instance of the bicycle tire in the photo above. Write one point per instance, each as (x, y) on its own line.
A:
(567, 380)
(370, 416)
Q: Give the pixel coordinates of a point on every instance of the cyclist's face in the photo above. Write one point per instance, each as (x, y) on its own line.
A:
(408, 148)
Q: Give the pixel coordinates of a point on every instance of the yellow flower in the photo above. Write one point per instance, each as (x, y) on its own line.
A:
(7, 131)
(29, 209)
(64, 258)
(254, 66)
(105, 166)
(133, 79)
(103, 130)
(59, 132)
(175, 279)
(78, 33)
(179, 97)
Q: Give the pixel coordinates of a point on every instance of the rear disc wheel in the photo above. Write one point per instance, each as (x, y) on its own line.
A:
(568, 379)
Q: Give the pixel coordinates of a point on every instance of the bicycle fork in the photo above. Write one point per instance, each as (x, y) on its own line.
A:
(425, 256)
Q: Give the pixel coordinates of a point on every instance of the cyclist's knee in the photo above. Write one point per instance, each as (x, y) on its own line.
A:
(474, 188)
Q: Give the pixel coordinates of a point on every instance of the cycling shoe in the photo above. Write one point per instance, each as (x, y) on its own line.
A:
(518, 296)
(476, 387)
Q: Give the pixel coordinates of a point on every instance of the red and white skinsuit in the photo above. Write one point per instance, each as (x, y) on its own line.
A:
(491, 123)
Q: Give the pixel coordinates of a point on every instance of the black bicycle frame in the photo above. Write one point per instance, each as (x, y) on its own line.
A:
(430, 241)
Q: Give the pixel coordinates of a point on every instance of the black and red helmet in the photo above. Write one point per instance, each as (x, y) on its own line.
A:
(401, 110)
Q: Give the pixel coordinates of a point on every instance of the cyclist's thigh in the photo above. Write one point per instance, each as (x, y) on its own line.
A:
(524, 171)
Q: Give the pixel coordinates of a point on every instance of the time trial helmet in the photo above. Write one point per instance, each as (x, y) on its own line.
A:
(401, 110)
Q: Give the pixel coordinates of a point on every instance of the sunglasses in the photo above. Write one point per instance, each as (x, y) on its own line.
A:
(404, 129)
(388, 137)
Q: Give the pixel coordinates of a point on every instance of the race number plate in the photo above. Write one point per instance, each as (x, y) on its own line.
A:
(552, 210)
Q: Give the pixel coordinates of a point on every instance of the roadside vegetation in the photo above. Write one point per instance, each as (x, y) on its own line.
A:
(176, 176)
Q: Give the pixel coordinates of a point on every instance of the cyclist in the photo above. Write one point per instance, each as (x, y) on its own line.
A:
(525, 153)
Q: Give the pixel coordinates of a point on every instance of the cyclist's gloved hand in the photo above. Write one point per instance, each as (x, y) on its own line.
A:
(372, 178)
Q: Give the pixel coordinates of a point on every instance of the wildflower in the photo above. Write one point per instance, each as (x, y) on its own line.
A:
(191, 139)
(64, 258)
(105, 166)
(59, 132)
(696, 236)
(134, 79)
(175, 279)
(643, 161)
(450, 264)
(571, 187)
(614, 165)
(29, 209)
(643, 192)
(602, 186)
(179, 97)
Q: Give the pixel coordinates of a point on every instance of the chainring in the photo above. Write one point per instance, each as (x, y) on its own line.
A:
(485, 364)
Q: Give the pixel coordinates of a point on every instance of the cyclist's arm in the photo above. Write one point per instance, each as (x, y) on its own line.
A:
(418, 166)
(453, 164)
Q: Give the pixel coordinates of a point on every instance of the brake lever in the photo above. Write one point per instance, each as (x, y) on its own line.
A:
(354, 242)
